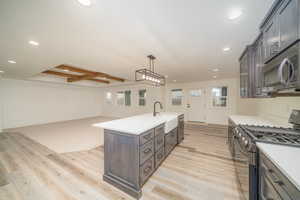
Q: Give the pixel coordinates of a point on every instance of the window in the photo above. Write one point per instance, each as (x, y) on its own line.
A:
(108, 97)
(127, 98)
(195, 93)
(142, 97)
(120, 98)
(219, 97)
(177, 95)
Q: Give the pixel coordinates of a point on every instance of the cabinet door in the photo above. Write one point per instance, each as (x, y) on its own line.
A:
(271, 38)
(244, 76)
(288, 23)
(258, 66)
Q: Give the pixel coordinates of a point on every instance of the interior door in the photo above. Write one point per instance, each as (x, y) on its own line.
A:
(196, 105)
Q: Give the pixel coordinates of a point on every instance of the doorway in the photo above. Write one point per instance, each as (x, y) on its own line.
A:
(196, 105)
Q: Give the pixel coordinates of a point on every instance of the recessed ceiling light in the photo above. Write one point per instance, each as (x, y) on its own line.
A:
(1, 71)
(216, 70)
(166, 76)
(226, 49)
(234, 14)
(84, 2)
(12, 61)
(174, 80)
(33, 43)
(214, 76)
(65, 70)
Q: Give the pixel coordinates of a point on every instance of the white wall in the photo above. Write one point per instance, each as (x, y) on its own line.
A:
(277, 109)
(213, 115)
(31, 102)
(114, 110)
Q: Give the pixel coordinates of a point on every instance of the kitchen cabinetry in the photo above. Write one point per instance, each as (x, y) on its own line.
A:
(256, 79)
(180, 132)
(279, 31)
(246, 89)
(130, 159)
(280, 28)
(273, 184)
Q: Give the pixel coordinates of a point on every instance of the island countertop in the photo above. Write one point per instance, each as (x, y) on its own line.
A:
(138, 124)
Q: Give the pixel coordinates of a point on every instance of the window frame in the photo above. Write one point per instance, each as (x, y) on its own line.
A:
(118, 99)
(181, 97)
(221, 96)
(144, 97)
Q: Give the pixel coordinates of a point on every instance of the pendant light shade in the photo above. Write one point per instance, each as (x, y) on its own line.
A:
(148, 75)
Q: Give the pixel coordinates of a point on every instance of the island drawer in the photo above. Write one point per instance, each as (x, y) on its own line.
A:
(159, 156)
(146, 170)
(145, 137)
(160, 129)
(159, 141)
(146, 151)
(171, 137)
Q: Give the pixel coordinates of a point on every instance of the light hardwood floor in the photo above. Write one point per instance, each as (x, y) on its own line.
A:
(198, 169)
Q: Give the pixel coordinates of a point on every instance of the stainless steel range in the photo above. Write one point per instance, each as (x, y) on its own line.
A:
(244, 150)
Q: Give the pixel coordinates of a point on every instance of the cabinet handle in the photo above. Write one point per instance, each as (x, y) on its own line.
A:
(147, 151)
(160, 155)
(147, 169)
(274, 178)
(286, 63)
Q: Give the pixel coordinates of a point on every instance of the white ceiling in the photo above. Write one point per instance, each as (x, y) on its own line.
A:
(115, 36)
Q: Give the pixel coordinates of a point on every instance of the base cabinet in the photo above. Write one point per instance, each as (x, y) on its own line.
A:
(273, 184)
(180, 129)
(130, 160)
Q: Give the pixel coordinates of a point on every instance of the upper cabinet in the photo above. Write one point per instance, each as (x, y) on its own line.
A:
(245, 67)
(257, 67)
(268, 59)
(280, 28)
(251, 65)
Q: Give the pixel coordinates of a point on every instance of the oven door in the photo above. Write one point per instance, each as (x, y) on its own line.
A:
(283, 71)
(241, 162)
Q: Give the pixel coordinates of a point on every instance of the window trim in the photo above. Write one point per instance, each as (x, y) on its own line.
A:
(212, 98)
(144, 98)
(181, 97)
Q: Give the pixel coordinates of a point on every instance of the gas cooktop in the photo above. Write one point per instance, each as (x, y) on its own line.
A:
(277, 135)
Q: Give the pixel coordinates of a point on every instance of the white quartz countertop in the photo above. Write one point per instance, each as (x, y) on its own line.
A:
(251, 120)
(138, 124)
(286, 159)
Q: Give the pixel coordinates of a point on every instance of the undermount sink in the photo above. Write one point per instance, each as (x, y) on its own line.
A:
(171, 122)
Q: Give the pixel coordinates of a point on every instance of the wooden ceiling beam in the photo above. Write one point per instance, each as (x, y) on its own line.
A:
(72, 76)
(88, 72)
(81, 78)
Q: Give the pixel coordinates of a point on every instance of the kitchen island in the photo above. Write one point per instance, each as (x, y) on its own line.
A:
(135, 147)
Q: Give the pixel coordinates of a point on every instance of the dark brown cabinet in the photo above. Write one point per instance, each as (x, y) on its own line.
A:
(280, 28)
(288, 20)
(279, 31)
(130, 159)
(180, 128)
(257, 67)
(246, 89)
(273, 184)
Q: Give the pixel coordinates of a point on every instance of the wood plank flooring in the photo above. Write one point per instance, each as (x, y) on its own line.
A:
(198, 169)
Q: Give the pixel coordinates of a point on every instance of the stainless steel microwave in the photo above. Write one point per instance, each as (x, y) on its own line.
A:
(283, 73)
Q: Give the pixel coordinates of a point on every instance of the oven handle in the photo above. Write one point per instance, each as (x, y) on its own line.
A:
(242, 151)
(289, 64)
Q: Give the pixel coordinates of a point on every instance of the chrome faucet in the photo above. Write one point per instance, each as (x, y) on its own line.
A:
(154, 111)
